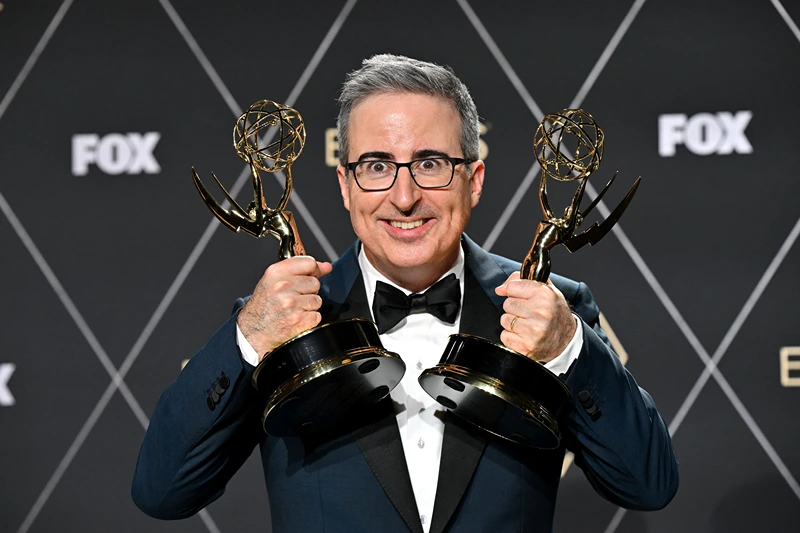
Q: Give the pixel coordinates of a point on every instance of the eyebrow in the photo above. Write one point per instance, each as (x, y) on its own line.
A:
(422, 154)
(387, 156)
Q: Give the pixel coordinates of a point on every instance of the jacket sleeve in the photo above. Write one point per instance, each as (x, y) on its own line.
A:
(205, 425)
(611, 424)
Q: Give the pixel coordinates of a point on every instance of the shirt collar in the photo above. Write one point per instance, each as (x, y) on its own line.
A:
(371, 274)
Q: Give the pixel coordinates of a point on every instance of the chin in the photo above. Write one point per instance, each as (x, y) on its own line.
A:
(411, 259)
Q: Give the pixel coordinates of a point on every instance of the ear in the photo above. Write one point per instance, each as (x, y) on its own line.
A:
(476, 181)
(341, 172)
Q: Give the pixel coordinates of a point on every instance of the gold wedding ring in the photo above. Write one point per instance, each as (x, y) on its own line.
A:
(511, 327)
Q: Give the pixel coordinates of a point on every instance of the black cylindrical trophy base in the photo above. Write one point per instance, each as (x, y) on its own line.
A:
(315, 380)
(499, 390)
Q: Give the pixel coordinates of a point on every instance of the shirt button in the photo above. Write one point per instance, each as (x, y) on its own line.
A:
(422, 518)
(419, 365)
(421, 443)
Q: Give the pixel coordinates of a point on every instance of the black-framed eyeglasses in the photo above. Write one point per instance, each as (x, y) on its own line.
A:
(429, 173)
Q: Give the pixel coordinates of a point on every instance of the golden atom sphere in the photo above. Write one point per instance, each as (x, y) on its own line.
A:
(568, 145)
(282, 147)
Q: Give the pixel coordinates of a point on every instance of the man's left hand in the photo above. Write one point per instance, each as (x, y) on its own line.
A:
(537, 321)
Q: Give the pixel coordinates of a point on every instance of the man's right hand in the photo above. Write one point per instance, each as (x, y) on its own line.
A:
(284, 304)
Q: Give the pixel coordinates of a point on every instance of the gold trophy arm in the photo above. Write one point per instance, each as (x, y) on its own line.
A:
(536, 265)
(236, 218)
(600, 195)
(258, 208)
(287, 190)
(597, 231)
(281, 225)
(572, 215)
(548, 212)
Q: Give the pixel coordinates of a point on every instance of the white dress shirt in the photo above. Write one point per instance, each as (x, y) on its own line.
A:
(420, 340)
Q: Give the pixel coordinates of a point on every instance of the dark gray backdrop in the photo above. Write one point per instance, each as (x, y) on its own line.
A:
(111, 279)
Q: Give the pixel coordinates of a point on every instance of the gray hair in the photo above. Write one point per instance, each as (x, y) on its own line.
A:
(387, 73)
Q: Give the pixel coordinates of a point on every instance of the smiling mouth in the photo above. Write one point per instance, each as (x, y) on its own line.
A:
(406, 225)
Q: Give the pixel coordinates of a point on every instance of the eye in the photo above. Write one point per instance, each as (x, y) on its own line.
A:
(429, 165)
(377, 167)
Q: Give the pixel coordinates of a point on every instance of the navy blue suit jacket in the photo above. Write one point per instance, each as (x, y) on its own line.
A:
(355, 478)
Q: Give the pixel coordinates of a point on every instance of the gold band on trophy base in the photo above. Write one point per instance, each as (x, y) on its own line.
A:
(502, 391)
(313, 381)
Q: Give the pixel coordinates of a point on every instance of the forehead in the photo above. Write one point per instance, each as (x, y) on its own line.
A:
(398, 123)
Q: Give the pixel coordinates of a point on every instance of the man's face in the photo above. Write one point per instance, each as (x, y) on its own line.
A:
(409, 233)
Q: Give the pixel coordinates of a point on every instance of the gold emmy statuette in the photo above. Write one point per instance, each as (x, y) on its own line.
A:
(314, 380)
(498, 389)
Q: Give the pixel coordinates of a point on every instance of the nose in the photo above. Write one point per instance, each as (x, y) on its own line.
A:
(405, 193)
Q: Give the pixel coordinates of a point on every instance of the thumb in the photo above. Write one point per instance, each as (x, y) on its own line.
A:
(324, 267)
(501, 290)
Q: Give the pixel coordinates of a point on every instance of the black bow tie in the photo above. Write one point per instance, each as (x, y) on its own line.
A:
(390, 305)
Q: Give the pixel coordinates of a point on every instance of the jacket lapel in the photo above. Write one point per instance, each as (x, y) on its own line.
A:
(382, 448)
(463, 443)
(379, 440)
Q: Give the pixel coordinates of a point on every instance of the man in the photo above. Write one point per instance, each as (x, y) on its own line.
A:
(409, 176)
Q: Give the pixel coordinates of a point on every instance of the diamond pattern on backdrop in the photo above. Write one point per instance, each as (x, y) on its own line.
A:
(185, 76)
(55, 384)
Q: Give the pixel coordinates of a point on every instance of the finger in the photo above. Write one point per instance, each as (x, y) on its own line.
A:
(309, 302)
(544, 305)
(513, 306)
(510, 322)
(304, 284)
(522, 345)
(512, 341)
(541, 307)
(501, 290)
(299, 265)
(310, 320)
(302, 323)
(323, 268)
(525, 288)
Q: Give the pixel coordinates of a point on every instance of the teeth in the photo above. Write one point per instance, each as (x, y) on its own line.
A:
(406, 225)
